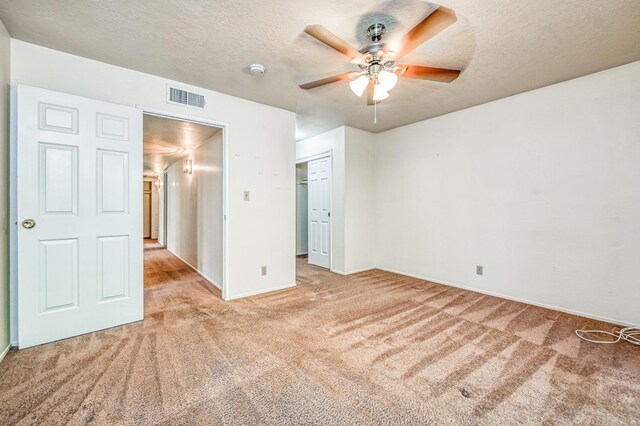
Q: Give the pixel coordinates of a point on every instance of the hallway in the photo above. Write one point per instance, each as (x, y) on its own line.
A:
(162, 268)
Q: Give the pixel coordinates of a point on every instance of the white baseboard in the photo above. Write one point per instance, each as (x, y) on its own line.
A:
(516, 299)
(255, 293)
(213, 283)
(355, 271)
(5, 352)
(300, 254)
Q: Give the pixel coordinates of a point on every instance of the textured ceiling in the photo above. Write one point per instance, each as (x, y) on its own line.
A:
(167, 141)
(503, 46)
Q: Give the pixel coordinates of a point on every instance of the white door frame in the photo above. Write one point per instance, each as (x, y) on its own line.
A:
(225, 180)
(328, 153)
(165, 192)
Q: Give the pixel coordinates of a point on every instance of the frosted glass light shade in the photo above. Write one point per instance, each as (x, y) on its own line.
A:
(387, 79)
(379, 93)
(359, 84)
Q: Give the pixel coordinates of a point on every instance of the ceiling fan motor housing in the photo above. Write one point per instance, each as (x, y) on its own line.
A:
(375, 59)
(375, 32)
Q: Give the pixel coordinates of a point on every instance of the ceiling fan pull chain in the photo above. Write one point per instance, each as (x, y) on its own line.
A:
(375, 112)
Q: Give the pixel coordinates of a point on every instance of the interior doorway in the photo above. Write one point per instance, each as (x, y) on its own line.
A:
(150, 207)
(184, 169)
(313, 211)
(302, 215)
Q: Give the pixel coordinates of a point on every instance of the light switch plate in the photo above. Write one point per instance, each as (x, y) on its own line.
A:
(246, 195)
(263, 270)
(479, 270)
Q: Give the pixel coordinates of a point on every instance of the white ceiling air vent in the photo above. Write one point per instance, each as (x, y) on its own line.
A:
(183, 97)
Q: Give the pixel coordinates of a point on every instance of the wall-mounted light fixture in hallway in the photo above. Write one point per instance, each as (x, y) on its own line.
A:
(187, 167)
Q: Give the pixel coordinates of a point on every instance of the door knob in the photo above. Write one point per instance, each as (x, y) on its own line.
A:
(28, 223)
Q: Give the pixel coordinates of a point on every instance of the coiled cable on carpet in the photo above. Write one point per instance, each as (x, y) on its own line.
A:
(630, 334)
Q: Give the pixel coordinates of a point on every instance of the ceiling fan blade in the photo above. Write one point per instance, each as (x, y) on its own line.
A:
(328, 80)
(437, 21)
(330, 39)
(442, 75)
(370, 100)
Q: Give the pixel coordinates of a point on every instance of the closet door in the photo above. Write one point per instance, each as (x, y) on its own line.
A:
(319, 211)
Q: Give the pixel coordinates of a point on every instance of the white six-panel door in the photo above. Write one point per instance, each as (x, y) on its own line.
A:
(319, 211)
(79, 186)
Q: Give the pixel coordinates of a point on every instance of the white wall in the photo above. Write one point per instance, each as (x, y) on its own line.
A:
(5, 80)
(359, 205)
(194, 207)
(155, 210)
(262, 151)
(207, 167)
(542, 189)
(332, 141)
(161, 212)
(182, 214)
(302, 207)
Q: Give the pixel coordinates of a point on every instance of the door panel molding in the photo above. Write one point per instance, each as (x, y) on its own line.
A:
(57, 118)
(113, 181)
(113, 268)
(58, 275)
(58, 170)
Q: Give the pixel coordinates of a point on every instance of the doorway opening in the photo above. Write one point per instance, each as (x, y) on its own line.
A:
(150, 208)
(302, 211)
(184, 200)
(313, 211)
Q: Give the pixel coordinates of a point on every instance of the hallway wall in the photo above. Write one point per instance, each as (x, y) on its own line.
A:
(195, 212)
(5, 67)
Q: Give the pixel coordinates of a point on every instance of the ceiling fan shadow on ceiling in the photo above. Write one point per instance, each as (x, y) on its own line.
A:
(379, 70)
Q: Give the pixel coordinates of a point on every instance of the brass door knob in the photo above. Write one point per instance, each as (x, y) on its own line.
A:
(28, 223)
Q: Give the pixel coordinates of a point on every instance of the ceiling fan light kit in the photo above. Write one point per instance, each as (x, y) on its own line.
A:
(359, 84)
(379, 92)
(387, 79)
(377, 61)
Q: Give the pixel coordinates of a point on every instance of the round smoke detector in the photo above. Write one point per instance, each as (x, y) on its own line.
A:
(257, 69)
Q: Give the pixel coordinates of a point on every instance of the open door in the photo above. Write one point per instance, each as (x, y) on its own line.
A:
(79, 181)
(319, 212)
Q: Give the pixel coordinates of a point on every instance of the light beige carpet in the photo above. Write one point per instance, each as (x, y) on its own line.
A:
(372, 348)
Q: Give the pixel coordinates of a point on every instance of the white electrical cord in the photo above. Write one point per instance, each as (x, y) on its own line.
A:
(630, 334)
